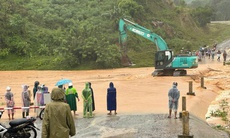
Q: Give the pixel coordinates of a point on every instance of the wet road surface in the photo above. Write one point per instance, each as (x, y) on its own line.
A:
(140, 126)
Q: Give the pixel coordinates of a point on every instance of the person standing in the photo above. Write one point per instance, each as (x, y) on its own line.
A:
(213, 54)
(87, 101)
(58, 121)
(63, 88)
(199, 56)
(174, 95)
(209, 53)
(9, 97)
(218, 55)
(71, 95)
(203, 52)
(37, 100)
(225, 55)
(25, 101)
(93, 103)
(111, 99)
(35, 89)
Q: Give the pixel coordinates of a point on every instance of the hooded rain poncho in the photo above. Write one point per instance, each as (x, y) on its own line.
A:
(87, 101)
(58, 121)
(174, 95)
(111, 97)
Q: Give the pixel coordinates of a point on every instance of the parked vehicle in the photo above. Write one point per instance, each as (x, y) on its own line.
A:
(19, 128)
(41, 114)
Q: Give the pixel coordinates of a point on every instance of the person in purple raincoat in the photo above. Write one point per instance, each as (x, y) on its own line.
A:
(111, 99)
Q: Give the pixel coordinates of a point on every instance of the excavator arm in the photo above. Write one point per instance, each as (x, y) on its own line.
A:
(139, 30)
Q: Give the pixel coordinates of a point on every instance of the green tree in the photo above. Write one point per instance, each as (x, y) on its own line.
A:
(198, 3)
(180, 2)
(223, 10)
(130, 8)
(202, 15)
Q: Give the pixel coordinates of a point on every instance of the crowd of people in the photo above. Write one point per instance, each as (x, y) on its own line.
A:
(211, 53)
(71, 97)
(58, 120)
(58, 110)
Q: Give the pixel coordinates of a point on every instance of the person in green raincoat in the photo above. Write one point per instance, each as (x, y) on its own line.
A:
(58, 121)
(87, 101)
(71, 95)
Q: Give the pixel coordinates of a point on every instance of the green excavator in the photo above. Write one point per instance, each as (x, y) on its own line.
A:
(166, 64)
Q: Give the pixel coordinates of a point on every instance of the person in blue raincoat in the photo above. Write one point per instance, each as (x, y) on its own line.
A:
(111, 99)
(173, 95)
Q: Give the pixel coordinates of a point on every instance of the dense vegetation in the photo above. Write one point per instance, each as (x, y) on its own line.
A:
(83, 34)
(220, 7)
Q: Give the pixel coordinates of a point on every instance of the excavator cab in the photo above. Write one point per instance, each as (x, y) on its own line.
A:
(163, 58)
(168, 65)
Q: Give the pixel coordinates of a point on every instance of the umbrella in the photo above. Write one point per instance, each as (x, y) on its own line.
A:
(62, 82)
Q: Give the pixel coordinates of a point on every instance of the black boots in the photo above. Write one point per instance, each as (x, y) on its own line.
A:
(25, 113)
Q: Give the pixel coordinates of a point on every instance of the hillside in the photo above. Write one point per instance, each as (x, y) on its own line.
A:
(83, 34)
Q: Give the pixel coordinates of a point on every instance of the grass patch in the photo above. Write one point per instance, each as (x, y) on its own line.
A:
(12, 62)
(143, 58)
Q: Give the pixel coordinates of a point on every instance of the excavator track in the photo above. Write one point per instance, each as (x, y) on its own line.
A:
(169, 72)
(163, 72)
(180, 73)
(158, 73)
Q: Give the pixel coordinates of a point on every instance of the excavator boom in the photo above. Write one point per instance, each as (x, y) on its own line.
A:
(139, 30)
